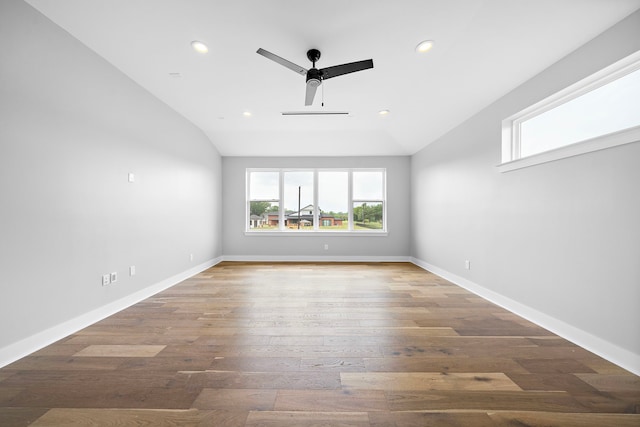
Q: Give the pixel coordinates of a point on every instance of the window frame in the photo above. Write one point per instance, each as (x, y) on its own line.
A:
(316, 230)
(511, 158)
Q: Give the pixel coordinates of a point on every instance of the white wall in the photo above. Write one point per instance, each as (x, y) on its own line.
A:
(394, 246)
(560, 242)
(71, 129)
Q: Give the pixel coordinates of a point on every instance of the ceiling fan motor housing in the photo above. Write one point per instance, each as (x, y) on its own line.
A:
(314, 77)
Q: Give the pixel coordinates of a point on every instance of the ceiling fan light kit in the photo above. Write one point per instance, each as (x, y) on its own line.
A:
(314, 76)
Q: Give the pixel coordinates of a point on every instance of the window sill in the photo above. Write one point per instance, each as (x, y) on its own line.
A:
(317, 233)
(600, 143)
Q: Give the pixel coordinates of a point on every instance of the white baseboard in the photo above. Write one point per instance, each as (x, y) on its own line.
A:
(603, 348)
(314, 258)
(26, 346)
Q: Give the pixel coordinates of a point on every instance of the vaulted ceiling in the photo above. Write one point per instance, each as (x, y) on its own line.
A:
(482, 50)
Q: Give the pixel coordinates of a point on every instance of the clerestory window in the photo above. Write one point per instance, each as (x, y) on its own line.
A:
(598, 112)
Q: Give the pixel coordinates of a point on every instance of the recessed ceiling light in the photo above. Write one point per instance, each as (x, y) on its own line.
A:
(247, 113)
(383, 112)
(199, 46)
(424, 46)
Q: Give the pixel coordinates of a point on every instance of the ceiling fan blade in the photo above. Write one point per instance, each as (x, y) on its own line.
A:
(352, 67)
(312, 86)
(290, 65)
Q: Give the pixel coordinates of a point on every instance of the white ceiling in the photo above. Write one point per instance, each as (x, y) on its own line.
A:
(483, 49)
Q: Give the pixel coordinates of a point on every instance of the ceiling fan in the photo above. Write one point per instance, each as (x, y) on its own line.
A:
(316, 76)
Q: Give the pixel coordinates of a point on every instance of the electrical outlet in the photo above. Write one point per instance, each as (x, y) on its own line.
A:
(191, 257)
(132, 270)
(467, 265)
(326, 246)
(114, 277)
(106, 279)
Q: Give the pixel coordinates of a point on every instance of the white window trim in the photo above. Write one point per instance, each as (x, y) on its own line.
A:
(316, 214)
(511, 159)
(307, 233)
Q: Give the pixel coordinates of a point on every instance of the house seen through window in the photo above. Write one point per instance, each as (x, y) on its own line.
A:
(308, 200)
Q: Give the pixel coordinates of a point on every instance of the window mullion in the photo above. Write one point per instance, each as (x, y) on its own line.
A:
(316, 208)
(281, 200)
(350, 204)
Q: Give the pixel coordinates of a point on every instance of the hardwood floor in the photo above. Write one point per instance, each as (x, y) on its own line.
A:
(316, 344)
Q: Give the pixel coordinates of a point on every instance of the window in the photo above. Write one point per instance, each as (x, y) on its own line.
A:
(598, 112)
(333, 199)
(298, 200)
(367, 200)
(264, 203)
(316, 200)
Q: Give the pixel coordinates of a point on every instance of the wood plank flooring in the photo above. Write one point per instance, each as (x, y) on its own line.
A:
(316, 344)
